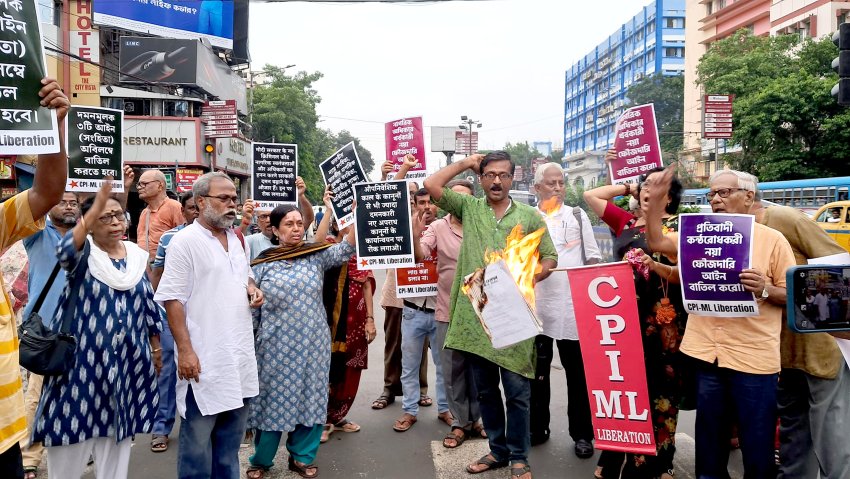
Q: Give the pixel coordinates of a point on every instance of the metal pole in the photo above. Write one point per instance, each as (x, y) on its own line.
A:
(716, 155)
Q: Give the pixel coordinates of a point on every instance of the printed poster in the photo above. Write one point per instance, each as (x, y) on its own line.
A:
(713, 250)
(612, 348)
(637, 146)
(93, 143)
(418, 281)
(384, 230)
(404, 137)
(341, 171)
(25, 126)
(274, 170)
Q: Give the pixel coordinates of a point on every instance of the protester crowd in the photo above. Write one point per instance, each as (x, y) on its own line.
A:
(265, 334)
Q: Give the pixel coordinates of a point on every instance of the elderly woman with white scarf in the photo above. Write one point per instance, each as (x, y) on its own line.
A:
(110, 393)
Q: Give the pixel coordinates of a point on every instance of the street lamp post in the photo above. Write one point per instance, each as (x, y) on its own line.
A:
(469, 124)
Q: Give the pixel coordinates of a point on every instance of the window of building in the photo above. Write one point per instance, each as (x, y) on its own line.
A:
(650, 27)
(674, 23)
(709, 8)
(48, 12)
(650, 56)
(175, 108)
(674, 52)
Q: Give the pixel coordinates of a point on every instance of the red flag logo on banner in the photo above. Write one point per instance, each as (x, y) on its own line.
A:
(610, 338)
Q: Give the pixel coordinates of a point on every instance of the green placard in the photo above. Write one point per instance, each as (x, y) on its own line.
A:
(94, 147)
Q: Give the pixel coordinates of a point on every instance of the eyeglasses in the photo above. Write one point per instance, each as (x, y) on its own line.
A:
(72, 204)
(107, 219)
(722, 192)
(264, 216)
(492, 176)
(143, 184)
(224, 198)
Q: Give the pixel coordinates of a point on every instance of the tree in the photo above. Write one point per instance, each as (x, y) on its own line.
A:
(668, 95)
(786, 122)
(284, 111)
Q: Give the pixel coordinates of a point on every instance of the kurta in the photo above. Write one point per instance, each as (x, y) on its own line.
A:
(293, 341)
(482, 232)
(111, 389)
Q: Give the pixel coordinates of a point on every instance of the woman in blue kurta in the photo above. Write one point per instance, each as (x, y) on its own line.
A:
(110, 393)
(293, 344)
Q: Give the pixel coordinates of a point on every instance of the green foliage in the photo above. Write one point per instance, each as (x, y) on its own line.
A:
(285, 111)
(574, 196)
(668, 95)
(786, 122)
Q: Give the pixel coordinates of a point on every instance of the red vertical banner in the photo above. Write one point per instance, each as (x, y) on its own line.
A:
(611, 346)
(405, 137)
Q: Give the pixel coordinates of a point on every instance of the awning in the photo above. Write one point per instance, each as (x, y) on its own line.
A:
(121, 92)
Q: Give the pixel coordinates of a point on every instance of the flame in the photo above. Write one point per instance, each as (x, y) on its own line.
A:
(551, 206)
(521, 257)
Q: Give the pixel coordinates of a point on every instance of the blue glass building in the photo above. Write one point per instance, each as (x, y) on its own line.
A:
(595, 89)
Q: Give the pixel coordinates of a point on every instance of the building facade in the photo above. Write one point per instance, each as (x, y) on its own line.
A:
(653, 41)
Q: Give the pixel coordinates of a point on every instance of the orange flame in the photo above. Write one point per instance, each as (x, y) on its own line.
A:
(521, 257)
(551, 206)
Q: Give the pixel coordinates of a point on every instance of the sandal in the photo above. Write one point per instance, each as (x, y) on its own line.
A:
(255, 472)
(446, 417)
(425, 400)
(301, 469)
(405, 422)
(454, 436)
(519, 469)
(30, 472)
(382, 402)
(159, 443)
(327, 430)
(478, 431)
(347, 426)
(488, 461)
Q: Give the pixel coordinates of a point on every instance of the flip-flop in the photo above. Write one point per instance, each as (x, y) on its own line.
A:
(301, 470)
(30, 472)
(405, 422)
(519, 469)
(255, 472)
(159, 443)
(425, 400)
(347, 426)
(327, 430)
(446, 417)
(382, 402)
(488, 461)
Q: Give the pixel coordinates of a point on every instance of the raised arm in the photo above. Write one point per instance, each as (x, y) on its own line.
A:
(304, 203)
(409, 162)
(653, 210)
(129, 179)
(80, 231)
(52, 170)
(325, 224)
(435, 183)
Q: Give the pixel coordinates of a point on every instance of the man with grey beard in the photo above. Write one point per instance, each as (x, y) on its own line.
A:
(207, 288)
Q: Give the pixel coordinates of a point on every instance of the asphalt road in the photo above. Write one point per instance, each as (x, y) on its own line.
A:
(379, 452)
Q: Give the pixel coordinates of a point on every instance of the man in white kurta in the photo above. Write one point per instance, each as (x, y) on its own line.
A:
(572, 234)
(206, 288)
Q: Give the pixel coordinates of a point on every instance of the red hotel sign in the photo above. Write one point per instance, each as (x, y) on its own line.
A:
(611, 346)
(717, 116)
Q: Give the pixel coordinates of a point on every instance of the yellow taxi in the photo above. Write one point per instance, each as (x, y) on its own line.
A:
(834, 218)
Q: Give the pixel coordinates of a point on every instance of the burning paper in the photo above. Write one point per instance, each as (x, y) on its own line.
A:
(502, 293)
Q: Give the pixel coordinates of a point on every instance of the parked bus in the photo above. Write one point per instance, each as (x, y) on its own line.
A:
(807, 195)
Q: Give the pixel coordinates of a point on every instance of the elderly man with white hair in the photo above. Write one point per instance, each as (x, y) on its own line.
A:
(572, 234)
(737, 359)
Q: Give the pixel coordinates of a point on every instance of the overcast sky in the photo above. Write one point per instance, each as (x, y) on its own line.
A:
(501, 62)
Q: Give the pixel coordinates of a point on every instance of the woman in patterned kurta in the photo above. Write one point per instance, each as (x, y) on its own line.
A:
(110, 393)
(293, 345)
(662, 319)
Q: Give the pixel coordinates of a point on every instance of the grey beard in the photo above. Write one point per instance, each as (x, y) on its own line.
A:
(218, 221)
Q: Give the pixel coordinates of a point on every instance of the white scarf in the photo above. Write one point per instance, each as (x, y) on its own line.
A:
(102, 268)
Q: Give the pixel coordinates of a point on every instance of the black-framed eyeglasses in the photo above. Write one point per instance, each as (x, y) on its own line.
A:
(264, 216)
(143, 184)
(492, 176)
(224, 198)
(722, 192)
(72, 204)
(107, 219)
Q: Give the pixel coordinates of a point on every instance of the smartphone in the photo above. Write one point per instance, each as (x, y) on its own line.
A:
(818, 298)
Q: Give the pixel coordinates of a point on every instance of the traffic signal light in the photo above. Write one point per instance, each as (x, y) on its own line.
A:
(841, 64)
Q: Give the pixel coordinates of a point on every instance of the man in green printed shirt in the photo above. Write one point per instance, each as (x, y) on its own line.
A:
(486, 225)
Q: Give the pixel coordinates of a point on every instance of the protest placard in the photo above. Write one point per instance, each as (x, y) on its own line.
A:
(93, 137)
(713, 250)
(273, 172)
(405, 137)
(611, 345)
(340, 171)
(25, 126)
(636, 144)
(384, 234)
(418, 281)
(186, 177)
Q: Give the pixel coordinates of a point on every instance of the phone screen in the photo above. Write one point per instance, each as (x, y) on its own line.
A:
(820, 298)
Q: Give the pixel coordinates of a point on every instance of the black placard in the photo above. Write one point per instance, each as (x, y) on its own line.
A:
(273, 171)
(94, 148)
(383, 225)
(341, 171)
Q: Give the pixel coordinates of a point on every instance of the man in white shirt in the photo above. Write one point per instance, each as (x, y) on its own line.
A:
(822, 303)
(207, 290)
(572, 234)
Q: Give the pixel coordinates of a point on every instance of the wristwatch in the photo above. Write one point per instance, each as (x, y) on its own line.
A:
(764, 293)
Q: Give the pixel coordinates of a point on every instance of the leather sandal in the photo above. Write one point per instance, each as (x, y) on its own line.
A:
(382, 402)
(405, 422)
(446, 417)
(519, 469)
(255, 472)
(159, 443)
(458, 435)
(302, 469)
